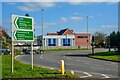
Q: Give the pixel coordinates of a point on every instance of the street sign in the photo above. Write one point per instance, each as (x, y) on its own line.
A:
(23, 23)
(22, 31)
(22, 28)
(23, 35)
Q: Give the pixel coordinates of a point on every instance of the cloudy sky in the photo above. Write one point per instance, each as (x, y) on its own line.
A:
(102, 16)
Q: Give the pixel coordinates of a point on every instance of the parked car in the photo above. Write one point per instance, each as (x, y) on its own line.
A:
(5, 52)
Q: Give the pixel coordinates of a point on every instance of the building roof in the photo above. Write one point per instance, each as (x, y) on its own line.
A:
(52, 33)
(61, 32)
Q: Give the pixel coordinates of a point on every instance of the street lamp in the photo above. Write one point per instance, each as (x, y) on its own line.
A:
(87, 32)
(42, 32)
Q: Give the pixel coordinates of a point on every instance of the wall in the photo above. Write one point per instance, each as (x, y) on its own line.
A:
(82, 42)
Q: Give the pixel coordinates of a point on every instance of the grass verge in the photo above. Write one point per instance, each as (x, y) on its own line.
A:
(24, 70)
(65, 49)
(114, 56)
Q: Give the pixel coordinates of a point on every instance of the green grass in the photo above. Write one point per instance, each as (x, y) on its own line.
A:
(24, 70)
(65, 49)
(114, 56)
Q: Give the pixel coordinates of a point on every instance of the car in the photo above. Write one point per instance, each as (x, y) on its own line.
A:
(5, 52)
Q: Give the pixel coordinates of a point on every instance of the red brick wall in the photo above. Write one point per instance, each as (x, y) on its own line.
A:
(68, 32)
(82, 41)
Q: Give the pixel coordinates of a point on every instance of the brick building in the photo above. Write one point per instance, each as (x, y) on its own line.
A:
(65, 38)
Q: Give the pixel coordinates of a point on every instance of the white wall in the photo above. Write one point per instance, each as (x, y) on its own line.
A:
(59, 37)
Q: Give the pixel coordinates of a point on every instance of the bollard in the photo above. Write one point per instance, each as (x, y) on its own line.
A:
(62, 69)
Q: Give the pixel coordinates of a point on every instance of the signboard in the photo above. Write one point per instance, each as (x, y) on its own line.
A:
(23, 35)
(22, 28)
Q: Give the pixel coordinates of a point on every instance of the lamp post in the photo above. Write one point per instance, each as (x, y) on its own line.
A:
(42, 31)
(93, 40)
(87, 31)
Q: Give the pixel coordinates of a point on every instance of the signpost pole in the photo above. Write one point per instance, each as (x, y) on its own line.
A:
(12, 56)
(32, 53)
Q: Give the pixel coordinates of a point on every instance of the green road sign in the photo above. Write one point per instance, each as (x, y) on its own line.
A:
(23, 23)
(23, 35)
(22, 28)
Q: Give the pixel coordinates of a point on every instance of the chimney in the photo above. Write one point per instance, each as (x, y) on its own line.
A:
(72, 31)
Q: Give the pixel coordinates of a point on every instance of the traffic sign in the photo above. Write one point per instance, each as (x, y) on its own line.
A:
(22, 28)
(23, 35)
(23, 23)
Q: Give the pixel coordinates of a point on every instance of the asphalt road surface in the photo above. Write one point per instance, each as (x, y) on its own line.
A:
(76, 62)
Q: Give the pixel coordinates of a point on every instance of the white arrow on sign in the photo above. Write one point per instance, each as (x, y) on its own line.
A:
(15, 22)
(14, 35)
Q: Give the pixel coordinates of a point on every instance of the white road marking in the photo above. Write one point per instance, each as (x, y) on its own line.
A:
(72, 72)
(41, 56)
(17, 56)
(88, 75)
(105, 76)
(68, 58)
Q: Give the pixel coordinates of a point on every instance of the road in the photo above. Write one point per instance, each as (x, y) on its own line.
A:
(76, 62)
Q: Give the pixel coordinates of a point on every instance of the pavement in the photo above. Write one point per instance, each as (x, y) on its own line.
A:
(76, 62)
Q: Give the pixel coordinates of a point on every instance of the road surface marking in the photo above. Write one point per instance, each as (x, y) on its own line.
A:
(72, 72)
(105, 76)
(68, 58)
(17, 56)
(41, 56)
(88, 75)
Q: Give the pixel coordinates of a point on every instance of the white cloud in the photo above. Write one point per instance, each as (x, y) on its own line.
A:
(33, 6)
(109, 26)
(75, 13)
(25, 8)
(63, 20)
(76, 18)
(90, 17)
(105, 28)
(60, 1)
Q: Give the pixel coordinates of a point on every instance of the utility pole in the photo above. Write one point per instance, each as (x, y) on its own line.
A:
(87, 32)
(42, 31)
(93, 40)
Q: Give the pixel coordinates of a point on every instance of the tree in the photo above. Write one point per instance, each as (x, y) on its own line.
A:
(115, 39)
(100, 38)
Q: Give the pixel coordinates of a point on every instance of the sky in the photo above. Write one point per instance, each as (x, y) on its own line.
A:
(102, 16)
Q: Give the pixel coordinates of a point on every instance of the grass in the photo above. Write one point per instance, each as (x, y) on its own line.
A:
(24, 70)
(65, 49)
(114, 56)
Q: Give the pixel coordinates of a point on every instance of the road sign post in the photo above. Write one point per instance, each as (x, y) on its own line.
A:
(32, 54)
(12, 56)
(22, 31)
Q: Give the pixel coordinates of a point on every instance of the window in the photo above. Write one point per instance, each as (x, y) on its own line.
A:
(51, 42)
(82, 37)
(66, 42)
